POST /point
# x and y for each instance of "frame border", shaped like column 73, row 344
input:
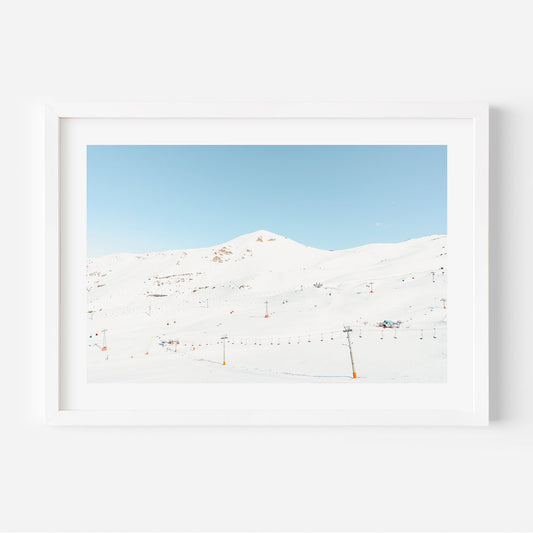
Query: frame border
column 54, row 415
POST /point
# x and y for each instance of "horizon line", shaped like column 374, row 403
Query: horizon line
column 436, row 235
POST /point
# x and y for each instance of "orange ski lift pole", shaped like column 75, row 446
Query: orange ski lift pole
column 224, row 338
column 347, row 330
column 104, row 347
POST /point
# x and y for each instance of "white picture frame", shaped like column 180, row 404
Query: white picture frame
column 340, row 412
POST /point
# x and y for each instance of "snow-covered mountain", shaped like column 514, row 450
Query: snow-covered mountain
column 197, row 296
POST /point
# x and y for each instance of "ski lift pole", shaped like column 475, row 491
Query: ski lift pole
column 347, row 330
column 104, row 348
column 224, row 338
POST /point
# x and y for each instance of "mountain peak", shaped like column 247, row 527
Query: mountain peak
column 259, row 236
column 264, row 233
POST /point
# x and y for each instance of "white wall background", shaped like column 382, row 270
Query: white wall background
column 269, row 479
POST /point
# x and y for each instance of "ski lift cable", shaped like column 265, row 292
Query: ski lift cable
column 318, row 335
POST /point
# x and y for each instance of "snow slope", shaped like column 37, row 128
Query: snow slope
column 198, row 296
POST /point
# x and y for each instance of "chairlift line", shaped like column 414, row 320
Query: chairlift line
column 298, row 339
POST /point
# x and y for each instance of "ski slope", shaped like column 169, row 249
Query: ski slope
column 147, row 303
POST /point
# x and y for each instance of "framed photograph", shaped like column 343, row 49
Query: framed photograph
column 265, row 264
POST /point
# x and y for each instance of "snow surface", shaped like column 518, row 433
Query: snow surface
column 198, row 296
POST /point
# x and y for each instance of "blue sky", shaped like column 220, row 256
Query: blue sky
column 153, row 198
